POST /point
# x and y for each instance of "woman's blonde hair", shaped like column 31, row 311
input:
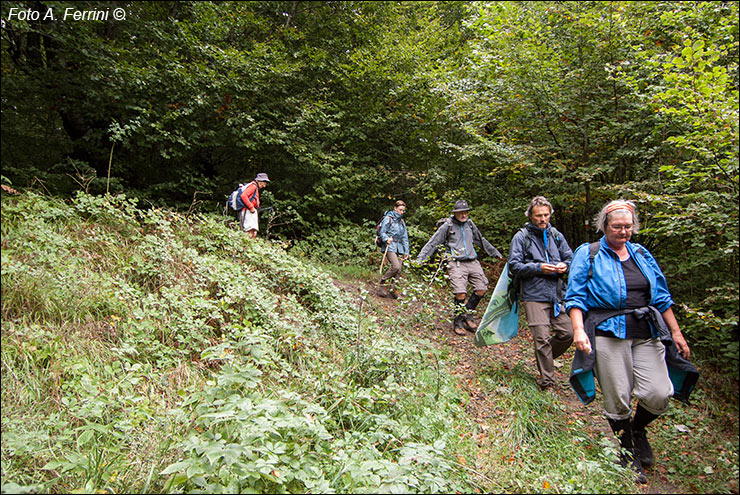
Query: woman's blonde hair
column 602, row 218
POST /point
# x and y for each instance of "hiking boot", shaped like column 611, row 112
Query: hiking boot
column 385, row 291
column 469, row 322
column 628, row 457
column 643, row 451
column 458, row 326
column 545, row 386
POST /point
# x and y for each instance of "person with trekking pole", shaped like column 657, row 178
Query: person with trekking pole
column 394, row 240
column 458, row 236
column 625, row 333
column 538, row 259
column 250, row 196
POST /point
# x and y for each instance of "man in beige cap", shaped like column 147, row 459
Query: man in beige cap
column 459, row 236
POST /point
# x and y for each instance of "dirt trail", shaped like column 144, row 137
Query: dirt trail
column 471, row 360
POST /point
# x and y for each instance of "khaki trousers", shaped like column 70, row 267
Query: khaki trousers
column 394, row 271
column 546, row 347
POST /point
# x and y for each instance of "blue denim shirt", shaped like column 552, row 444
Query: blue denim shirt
column 607, row 289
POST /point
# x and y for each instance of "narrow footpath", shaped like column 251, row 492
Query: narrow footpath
column 471, row 360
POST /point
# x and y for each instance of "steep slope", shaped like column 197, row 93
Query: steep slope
column 147, row 350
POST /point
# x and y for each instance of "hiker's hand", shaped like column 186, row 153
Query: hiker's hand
column 549, row 269
column 252, row 210
column 390, row 239
column 681, row 345
column 580, row 341
column 561, row 267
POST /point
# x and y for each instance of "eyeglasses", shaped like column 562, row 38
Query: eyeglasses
column 619, row 228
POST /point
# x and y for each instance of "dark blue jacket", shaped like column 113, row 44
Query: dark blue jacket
column 528, row 253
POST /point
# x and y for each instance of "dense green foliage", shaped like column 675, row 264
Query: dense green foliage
column 148, row 351
column 350, row 105
column 623, row 99
column 331, row 98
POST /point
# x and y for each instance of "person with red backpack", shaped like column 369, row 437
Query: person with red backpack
column 250, row 196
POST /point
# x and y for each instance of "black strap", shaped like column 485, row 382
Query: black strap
column 593, row 248
column 528, row 238
column 256, row 190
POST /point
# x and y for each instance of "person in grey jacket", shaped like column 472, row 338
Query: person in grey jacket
column 395, row 239
column 459, row 236
column 538, row 259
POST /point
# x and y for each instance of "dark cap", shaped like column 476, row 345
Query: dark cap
column 461, row 205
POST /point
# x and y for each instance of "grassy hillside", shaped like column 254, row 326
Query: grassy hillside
column 148, row 351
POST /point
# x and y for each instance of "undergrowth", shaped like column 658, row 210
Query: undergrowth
column 147, row 351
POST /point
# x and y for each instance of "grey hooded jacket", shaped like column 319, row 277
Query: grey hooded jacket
column 460, row 240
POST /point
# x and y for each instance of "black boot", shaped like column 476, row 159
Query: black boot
column 623, row 429
column 472, row 303
column 644, row 452
column 458, row 325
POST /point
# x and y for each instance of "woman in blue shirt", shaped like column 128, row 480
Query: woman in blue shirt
column 620, row 278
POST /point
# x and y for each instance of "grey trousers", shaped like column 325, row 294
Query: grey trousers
column 394, row 271
column 632, row 366
column 547, row 347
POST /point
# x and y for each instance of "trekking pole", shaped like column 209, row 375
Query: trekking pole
column 441, row 262
column 385, row 254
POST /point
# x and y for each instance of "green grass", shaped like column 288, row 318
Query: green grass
column 531, row 442
column 143, row 351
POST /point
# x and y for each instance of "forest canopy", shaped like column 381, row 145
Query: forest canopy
column 350, row 105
